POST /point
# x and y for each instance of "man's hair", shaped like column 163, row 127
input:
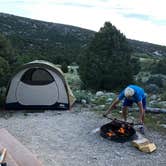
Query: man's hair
column 128, row 92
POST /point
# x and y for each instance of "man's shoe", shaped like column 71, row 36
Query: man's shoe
column 142, row 130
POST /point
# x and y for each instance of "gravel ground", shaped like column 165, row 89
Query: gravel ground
column 66, row 139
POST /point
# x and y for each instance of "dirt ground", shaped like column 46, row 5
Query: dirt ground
column 66, row 139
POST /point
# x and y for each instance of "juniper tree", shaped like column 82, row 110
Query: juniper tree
column 107, row 61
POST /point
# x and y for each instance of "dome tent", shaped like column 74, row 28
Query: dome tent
column 39, row 85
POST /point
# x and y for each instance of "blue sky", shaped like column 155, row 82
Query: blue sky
column 143, row 20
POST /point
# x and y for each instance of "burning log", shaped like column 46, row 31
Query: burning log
column 121, row 130
column 110, row 134
column 117, row 131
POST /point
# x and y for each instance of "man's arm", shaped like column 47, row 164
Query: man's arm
column 142, row 111
column 113, row 105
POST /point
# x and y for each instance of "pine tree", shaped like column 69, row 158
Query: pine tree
column 4, row 72
column 107, row 61
column 6, row 50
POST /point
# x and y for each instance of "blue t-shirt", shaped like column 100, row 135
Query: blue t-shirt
column 139, row 94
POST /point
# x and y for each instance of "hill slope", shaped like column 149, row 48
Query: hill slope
column 38, row 38
column 35, row 39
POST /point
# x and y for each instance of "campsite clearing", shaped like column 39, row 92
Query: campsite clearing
column 66, row 138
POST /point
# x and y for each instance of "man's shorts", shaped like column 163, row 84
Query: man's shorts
column 128, row 102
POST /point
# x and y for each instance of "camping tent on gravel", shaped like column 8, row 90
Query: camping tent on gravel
column 39, row 85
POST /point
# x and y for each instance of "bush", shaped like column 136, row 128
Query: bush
column 64, row 67
column 152, row 88
column 2, row 96
column 107, row 62
column 163, row 96
column 4, row 72
column 160, row 67
column 82, row 94
column 157, row 79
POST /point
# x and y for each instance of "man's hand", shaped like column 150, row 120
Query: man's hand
column 113, row 106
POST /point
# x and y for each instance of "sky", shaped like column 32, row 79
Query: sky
column 143, row 20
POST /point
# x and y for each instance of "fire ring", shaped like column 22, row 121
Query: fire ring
column 118, row 131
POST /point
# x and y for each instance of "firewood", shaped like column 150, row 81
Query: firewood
column 148, row 148
column 140, row 142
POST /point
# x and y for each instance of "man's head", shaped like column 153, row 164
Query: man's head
column 128, row 92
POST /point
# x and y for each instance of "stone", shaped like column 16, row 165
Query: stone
column 83, row 101
column 99, row 93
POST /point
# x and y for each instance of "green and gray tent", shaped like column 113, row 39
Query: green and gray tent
column 39, row 85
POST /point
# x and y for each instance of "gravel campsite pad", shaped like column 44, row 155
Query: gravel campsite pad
column 66, row 139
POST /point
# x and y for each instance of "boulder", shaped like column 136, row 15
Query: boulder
column 99, row 93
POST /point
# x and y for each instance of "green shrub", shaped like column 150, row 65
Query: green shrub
column 82, row 94
column 100, row 100
column 107, row 61
column 2, row 96
column 163, row 96
column 73, row 81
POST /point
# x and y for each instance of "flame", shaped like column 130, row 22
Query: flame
column 121, row 130
column 111, row 133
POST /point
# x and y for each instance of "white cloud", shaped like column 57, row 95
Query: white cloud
column 147, row 21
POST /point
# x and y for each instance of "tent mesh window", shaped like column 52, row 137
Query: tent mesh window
column 37, row 76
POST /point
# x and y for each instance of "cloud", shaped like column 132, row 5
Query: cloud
column 137, row 16
column 76, row 4
column 137, row 19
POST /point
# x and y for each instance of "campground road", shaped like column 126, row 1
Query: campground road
column 66, row 139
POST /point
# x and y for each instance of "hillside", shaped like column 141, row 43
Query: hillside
column 44, row 39
column 35, row 39
column 148, row 48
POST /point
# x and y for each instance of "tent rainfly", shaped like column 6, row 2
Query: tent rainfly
column 39, row 85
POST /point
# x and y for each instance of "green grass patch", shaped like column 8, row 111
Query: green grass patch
column 153, row 121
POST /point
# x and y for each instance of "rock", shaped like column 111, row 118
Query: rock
column 162, row 104
column 83, row 101
column 101, row 106
column 163, row 125
column 153, row 97
column 99, row 93
column 109, row 100
column 152, row 103
column 110, row 94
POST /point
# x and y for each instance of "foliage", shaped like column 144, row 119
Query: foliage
column 2, row 96
column 147, row 64
column 82, row 95
column 34, row 39
column 136, row 66
column 153, row 122
column 157, row 79
column 6, row 59
column 4, row 72
column 159, row 67
column 73, row 81
column 107, row 61
column 151, row 88
column 64, row 67
column 148, row 48
column 163, row 96
column 6, row 50
column 102, row 100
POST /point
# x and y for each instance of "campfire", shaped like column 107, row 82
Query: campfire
column 118, row 131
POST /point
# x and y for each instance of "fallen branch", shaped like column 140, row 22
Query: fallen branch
column 153, row 110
